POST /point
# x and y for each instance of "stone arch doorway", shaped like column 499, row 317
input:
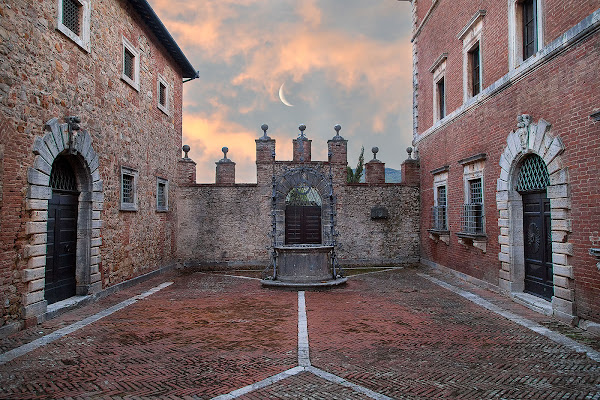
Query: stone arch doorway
column 75, row 160
column 534, row 143
column 303, row 216
column 298, row 193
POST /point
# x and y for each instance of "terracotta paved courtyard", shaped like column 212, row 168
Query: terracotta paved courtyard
column 403, row 334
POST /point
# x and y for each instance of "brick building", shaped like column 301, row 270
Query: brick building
column 83, row 210
column 506, row 122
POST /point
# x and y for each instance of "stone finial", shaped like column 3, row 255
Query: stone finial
column 337, row 136
column 375, row 150
column 225, row 150
column 186, row 150
column 264, row 128
column 409, row 150
column 302, row 128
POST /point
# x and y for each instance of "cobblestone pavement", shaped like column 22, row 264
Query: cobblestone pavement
column 402, row 334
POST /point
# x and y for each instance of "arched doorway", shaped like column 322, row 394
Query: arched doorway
column 303, row 216
column 537, row 231
column 61, row 252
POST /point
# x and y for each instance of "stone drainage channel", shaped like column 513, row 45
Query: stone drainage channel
column 304, row 364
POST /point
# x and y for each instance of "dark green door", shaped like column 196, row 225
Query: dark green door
column 61, row 247
column 537, row 245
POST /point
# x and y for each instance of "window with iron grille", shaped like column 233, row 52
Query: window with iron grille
column 528, row 8
column 73, row 21
column 440, row 220
column 128, row 59
column 533, row 175
column 472, row 214
column 62, row 176
column 162, row 95
column 162, row 191
column 474, row 58
column 131, row 65
column 71, row 16
column 128, row 189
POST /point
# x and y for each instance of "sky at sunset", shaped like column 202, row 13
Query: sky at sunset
column 341, row 61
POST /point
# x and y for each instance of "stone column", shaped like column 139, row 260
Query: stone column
column 338, row 156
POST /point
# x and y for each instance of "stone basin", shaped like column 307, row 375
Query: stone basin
column 304, row 263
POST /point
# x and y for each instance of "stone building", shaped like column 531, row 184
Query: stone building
column 228, row 224
column 506, row 122
column 85, row 202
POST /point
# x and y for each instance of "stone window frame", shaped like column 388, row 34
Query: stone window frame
column 46, row 149
column 471, row 36
column 135, row 82
column 535, row 138
column 165, row 182
column 163, row 107
column 440, row 179
column 83, row 39
column 127, row 206
column 515, row 31
column 438, row 69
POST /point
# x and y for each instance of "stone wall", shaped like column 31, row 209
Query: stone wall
column 229, row 225
column 45, row 76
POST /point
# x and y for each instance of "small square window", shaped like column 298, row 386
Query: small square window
column 163, row 94
column 129, row 179
column 74, row 21
column 131, row 65
column 162, row 194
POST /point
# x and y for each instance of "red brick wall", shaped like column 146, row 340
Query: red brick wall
column 564, row 92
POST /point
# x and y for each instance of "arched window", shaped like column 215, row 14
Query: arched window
column 533, row 176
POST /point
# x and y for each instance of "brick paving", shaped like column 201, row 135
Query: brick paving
column 393, row 333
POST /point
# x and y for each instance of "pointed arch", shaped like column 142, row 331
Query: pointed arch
column 85, row 162
column 535, row 138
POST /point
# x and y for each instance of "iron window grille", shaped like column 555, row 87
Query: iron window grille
column 533, row 175
column 129, row 179
column 472, row 216
column 439, row 216
column 162, row 95
column 128, row 66
column 71, row 15
column 62, row 176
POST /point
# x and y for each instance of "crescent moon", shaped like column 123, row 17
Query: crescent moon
column 282, row 97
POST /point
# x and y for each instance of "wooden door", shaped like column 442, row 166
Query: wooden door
column 537, row 242
column 61, row 246
column 303, row 225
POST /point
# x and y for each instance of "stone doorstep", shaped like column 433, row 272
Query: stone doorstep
column 60, row 307
column 533, row 302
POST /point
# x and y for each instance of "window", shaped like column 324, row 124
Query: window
column 441, row 98
column 439, row 87
column 162, row 90
column 129, row 179
column 131, row 65
column 440, row 218
column 162, row 194
column 475, row 70
column 74, row 21
column 472, row 216
column 529, row 28
column 472, row 55
column 525, row 30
